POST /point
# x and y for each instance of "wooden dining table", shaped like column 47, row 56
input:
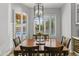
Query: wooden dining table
column 33, row 42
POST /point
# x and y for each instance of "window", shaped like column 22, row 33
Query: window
column 53, row 25
column 36, row 25
column 45, row 25
column 77, row 13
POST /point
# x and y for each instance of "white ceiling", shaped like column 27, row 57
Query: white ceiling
column 46, row 5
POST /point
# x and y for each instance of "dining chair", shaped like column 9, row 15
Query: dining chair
column 68, row 43
column 38, row 37
column 64, row 52
column 34, row 36
column 30, row 51
column 17, row 53
column 46, row 37
column 17, row 41
column 53, row 51
column 63, row 38
column 65, row 42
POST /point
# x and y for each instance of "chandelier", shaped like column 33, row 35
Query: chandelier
column 38, row 10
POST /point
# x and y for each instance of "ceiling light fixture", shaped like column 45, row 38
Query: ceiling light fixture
column 38, row 10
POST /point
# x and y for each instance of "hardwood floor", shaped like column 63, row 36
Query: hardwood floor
column 70, row 54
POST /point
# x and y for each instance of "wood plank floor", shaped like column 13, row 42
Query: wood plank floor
column 70, row 54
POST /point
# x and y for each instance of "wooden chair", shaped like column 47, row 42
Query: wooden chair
column 65, row 53
column 17, row 41
column 17, row 53
column 62, row 40
column 65, row 41
column 53, row 51
column 68, row 43
column 46, row 37
column 30, row 51
column 63, row 37
column 38, row 37
column 34, row 36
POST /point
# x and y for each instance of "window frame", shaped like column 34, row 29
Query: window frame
column 76, row 13
column 49, row 25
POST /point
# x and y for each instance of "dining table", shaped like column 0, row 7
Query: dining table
column 34, row 42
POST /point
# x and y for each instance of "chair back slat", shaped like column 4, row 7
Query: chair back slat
column 17, row 41
column 30, row 51
column 68, row 43
column 53, row 51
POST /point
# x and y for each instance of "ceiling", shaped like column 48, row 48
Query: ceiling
column 46, row 5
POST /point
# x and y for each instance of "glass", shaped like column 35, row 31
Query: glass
column 78, row 13
column 18, row 23
column 52, row 25
column 18, row 19
column 24, row 30
column 42, row 25
column 36, row 24
column 18, row 30
column 24, row 19
column 47, row 24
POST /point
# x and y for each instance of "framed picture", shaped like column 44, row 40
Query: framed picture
column 77, row 13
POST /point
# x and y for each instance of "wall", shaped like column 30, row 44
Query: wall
column 74, row 27
column 66, row 20
column 4, row 38
column 6, row 25
column 6, row 42
column 50, row 11
column 21, row 8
